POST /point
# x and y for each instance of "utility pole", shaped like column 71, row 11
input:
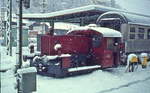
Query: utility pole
column 8, row 27
column 25, row 80
column 19, row 31
column 19, row 43
column 19, row 35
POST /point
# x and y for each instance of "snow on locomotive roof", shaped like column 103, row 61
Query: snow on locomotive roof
column 106, row 32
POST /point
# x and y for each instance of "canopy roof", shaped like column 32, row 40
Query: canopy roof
column 90, row 12
column 87, row 14
column 130, row 18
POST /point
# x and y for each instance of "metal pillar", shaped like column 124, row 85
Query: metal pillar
column 81, row 22
column 8, row 27
column 43, row 28
column 19, row 35
column 52, row 27
column 19, row 42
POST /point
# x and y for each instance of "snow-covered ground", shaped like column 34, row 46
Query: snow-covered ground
column 113, row 81
column 108, row 81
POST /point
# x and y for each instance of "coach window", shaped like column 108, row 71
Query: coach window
column 148, row 34
column 132, row 33
column 132, row 29
column 141, row 32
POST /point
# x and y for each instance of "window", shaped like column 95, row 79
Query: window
column 141, row 36
column 132, row 36
column 132, row 33
column 148, row 34
column 132, row 29
column 141, row 30
column 141, row 33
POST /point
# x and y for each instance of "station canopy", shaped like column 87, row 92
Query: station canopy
column 86, row 14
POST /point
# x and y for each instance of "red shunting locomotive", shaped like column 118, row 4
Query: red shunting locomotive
column 83, row 49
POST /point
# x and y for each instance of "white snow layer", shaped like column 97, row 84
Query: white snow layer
column 56, row 56
column 106, row 32
column 107, row 81
column 27, row 70
column 57, row 46
column 111, row 81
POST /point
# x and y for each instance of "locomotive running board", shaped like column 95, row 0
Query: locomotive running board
column 84, row 68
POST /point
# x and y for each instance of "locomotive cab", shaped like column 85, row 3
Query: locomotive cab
column 104, row 45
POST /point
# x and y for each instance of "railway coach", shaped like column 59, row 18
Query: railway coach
column 135, row 29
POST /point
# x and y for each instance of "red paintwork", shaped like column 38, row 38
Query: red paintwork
column 45, row 45
column 107, row 59
column 100, row 55
column 79, row 42
column 70, row 44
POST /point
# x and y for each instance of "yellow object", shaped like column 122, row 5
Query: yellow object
column 145, row 60
column 134, row 60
